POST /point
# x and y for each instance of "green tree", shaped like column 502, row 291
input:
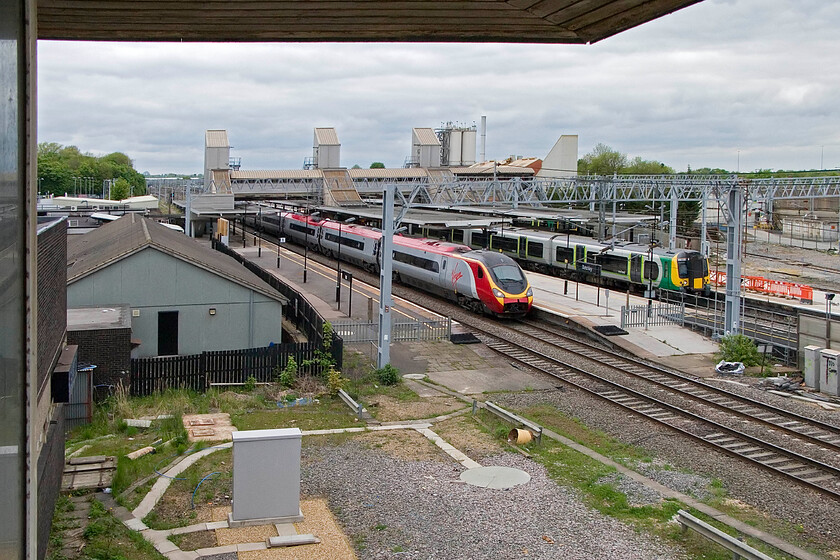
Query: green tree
column 377, row 165
column 58, row 165
column 120, row 189
column 639, row 166
column 602, row 160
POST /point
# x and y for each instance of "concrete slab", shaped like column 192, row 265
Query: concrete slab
column 421, row 389
column 208, row 427
column 475, row 381
column 135, row 524
column 497, row 478
column 285, row 529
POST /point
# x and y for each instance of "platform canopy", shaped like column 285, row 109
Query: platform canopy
column 512, row 21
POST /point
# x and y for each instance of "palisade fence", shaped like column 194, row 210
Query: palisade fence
column 657, row 314
column 298, row 311
column 199, row 372
column 416, row 330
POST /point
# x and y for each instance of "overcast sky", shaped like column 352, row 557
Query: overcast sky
column 725, row 83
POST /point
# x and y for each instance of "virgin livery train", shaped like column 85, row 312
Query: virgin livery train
column 483, row 281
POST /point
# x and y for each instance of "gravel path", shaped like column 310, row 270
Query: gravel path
column 398, row 508
column 766, row 494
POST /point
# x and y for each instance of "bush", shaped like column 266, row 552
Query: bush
column 739, row 348
column 335, row 382
column 286, row 376
column 250, row 383
column 388, row 375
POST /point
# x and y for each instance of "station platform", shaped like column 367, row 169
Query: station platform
column 581, row 304
column 672, row 345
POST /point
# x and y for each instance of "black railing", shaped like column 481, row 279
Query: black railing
column 199, row 372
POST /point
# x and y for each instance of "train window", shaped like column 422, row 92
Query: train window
column 479, row 239
column 535, row 249
column 504, row 243
column 419, row 262
column 458, row 235
column 613, row 263
column 346, row 241
column 302, row 229
column 480, row 272
column 682, row 268
column 564, row 254
column 651, row 270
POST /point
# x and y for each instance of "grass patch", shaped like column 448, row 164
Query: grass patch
column 175, row 509
column 575, row 470
column 108, row 539
column 328, row 413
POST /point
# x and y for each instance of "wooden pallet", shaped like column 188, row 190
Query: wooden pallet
column 88, row 472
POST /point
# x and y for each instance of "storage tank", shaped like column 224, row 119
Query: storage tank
column 468, row 147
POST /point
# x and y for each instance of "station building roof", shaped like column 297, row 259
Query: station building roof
column 509, row 21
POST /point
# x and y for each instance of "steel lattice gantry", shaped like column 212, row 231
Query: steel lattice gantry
column 730, row 191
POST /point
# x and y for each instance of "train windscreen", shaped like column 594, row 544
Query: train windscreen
column 692, row 266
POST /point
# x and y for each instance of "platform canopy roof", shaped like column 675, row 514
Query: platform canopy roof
column 511, row 21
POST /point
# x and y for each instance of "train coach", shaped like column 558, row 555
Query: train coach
column 620, row 264
column 485, row 282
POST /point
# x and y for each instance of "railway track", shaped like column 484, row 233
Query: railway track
column 804, row 470
column 791, row 465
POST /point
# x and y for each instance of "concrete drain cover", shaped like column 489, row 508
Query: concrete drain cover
column 495, row 477
column 416, row 376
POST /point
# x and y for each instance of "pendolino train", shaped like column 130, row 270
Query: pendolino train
column 621, row 264
column 483, row 281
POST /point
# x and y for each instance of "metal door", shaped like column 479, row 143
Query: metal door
column 636, row 268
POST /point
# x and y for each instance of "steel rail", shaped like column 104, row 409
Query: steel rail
column 763, row 454
column 615, row 361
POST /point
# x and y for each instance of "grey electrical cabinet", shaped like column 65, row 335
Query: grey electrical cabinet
column 266, row 476
column 811, row 367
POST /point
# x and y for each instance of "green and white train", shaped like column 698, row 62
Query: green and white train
column 621, row 264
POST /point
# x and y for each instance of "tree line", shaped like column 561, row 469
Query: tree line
column 65, row 169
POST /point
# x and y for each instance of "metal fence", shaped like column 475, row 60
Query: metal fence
column 765, row 324
column 656, row 314
column 418, row 330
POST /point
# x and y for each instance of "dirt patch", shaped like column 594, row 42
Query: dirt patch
column 389, row 409
column 174, row 510
column 240, row 535
column 404, row 444
column 194, row 541
column 465, row 436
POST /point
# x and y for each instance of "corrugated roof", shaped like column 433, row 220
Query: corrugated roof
column 277, row 174
column 486, row 168
column 389, row 173
column 114, row 241
column 326, row 137
column 426, row 137
column 216, row 139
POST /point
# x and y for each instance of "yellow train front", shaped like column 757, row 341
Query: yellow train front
column 500, row 284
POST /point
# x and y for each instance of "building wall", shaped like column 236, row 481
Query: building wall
column 52, row 297
column 151, row 281
column 50, row 470
column 108, row 349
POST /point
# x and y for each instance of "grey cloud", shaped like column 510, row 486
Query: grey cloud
column 691, row 88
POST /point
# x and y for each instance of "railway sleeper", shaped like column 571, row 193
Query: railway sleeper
column 819, row 479
column 778, row 460
column 759, row 456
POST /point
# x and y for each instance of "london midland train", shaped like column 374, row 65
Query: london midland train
column 620, row 264
column 483, row 281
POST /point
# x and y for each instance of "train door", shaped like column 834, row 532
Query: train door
column 523, row 244
column 580, row 254
column 636, row 268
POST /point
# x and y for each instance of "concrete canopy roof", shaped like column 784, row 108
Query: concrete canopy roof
column 511, row 21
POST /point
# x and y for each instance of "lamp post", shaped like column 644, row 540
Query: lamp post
column 306, row 242
column 828, row 298
column 338, row 262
